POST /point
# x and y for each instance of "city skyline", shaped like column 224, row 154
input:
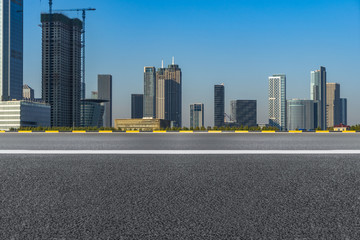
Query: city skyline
column 228, row 66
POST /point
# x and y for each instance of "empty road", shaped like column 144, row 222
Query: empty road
column 178, row 196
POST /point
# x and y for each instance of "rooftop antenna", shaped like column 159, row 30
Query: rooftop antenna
column 162, row 63
column 173, row 60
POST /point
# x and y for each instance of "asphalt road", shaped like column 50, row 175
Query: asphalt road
column 180, row 141
column 179, row 196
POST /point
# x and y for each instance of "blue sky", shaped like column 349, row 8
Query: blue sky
column 239, row 43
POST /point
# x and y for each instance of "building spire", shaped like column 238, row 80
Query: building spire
column 173, row 60
column 162, row 63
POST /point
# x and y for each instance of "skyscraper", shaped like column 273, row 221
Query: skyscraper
column 169, row 94
column 61, row 75
column 137, row 102
column 105, row 93
column 333, row 107
column 149, row 92
column 318, row 93
column 244, row 112
column 277, row 101
column 197, row 115
column 343, row 110
column 219, row 105
column 11, row 49
column 300, row 114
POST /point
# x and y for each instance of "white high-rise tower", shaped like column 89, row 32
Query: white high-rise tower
column 11, row 49
column 277, row 101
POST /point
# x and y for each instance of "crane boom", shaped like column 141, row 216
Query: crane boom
column 75, row 10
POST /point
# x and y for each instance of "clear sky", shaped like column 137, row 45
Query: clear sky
column 236, row 42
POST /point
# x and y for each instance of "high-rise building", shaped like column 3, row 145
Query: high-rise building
column 343, row 111
column 92, row 112
column 137, row 102
column 244, row 112
column 11, row 49
column 333, row 107
column 169, row 94
column 197, row 115
column 318, row 93
column 219, row 105
column 61, row 68
column 28, row 93
column 105, row 93
column 300, row 114
column 277, row 101
column 149, row 92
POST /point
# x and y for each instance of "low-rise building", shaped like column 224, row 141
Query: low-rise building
column 341, row 128
column 92, row 112
column 141, row 124
column 17, row 114
column 301, row 114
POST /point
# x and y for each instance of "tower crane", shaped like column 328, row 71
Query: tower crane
column 83, row 10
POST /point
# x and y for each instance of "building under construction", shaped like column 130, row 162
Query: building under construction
column 61, row 68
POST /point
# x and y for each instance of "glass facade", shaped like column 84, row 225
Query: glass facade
column 137, row 101
column 333, row 108
column 16, row 114
column 301, row 114
column 343, row 110
column 169, row 94
column 318, row 93
column 197, row 115
column 244, row 112
column 92, row 112
column 149, row 92
column 11, row 49
column 219, row 105
column 105, row 93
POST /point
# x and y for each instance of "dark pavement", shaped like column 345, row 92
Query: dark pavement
column 179, row 197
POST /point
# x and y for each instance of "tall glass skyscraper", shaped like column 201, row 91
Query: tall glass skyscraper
column 318, row 93
column 11, row 49
column 149, row 92
column 169, row 94
column 105, row 93
column 197, row 115
column 277, row 101
column 219, row 105
column 343, row 104
column 333, row 105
